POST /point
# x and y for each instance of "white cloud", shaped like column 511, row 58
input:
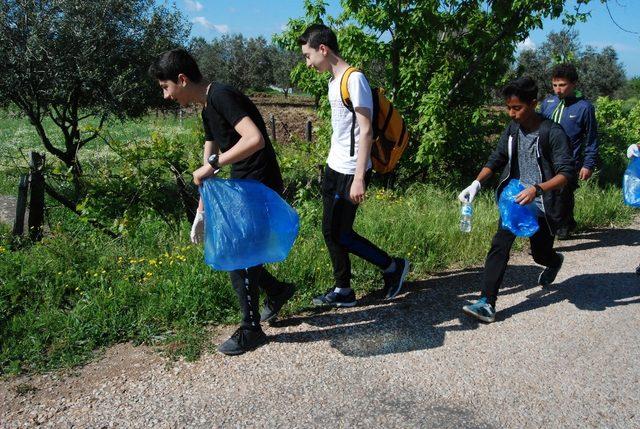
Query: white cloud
column 526, row 45
column 193, row 5
column 220, row 28
column 620, row 47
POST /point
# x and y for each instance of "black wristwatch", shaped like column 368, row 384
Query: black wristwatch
column 539, row 190
column 213, row 161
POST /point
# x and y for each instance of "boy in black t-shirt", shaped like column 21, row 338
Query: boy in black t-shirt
column 236, row 135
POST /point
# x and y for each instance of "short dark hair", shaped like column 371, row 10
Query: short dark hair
column 565, row 71
column 168, row 65
column 319, row 34
column 524, row 88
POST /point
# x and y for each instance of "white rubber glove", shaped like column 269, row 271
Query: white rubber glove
column 633, row 151
column 197, row 229
column 470, row 192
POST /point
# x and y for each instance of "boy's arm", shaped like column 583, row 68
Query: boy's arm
column 358, row 187
column 250, row 142
column 500, row 156
column 591, row 144
column 210, row 147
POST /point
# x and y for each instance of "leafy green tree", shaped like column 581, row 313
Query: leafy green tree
column 79, row 63
column 601, row 74
column 442, row 59
column 283, row 62
column 236, row 60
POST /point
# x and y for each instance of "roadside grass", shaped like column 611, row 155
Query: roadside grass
column 78, row 290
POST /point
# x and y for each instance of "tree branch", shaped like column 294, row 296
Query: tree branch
column 71, row 206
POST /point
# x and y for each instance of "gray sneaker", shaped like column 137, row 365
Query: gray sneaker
column 481, row 310
column 334, row 299
column 393, row 281
column 548, row 275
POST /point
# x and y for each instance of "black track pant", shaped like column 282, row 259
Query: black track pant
column 338, row 216
column 247, row 284
column 498, row 257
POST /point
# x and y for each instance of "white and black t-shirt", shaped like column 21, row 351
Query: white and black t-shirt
column 360, row 92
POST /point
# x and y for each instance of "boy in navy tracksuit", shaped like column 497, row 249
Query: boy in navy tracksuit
column 577, row 117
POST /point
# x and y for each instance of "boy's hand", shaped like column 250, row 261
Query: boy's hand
column 202, row 173
column 197, row 229
column 357, row 191
column 585, row 173
column 470, row 192
column 526, row 196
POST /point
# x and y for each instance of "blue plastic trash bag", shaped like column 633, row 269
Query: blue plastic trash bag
column 246, row 224
column 631, row 183
column 521, row 220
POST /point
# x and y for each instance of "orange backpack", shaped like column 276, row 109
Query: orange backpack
column 390, row 136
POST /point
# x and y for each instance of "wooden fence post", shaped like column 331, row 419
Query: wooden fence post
column 36, row 202
column 309, row 130
column 272, row 119
column 21, row 205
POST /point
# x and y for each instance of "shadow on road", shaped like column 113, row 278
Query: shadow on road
column 590, row 292
column 417, row 320
column 420, row 318
column 601, row 238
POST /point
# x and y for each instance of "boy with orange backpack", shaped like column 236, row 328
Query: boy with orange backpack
column 348, row 168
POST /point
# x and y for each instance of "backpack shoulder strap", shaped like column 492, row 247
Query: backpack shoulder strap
column 344, row 87
column 346, row 100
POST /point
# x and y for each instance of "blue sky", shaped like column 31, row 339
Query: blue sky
column 212, row 18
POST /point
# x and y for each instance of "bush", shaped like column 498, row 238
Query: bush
column 617, row 129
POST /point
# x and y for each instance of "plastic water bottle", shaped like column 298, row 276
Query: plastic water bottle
column 466, row 212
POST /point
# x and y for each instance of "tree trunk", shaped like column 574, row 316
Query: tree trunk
column 36, row 202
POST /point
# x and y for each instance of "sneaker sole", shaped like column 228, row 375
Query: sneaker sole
column 241, row 352
column 402, row 277
column 337, row 304
column 478, row 316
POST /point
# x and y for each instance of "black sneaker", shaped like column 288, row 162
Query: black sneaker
column 273, row 304
column 638, row 270
column 393, row 281
column 335, row 299
column 548, row 275
column 563, row 233
column 243, row 340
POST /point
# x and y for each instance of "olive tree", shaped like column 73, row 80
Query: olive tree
column 79, row 63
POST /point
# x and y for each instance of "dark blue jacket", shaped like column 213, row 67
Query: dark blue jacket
column 579, row 122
